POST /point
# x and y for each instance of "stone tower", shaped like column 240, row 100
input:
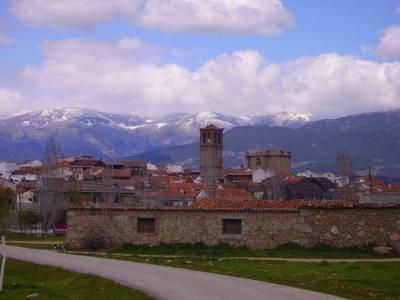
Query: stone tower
column 211, row 148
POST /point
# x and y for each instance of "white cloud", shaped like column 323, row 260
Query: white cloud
column 268, row 17
column 10, row 102
column 109, row 76
column 389, row 44
column 66, row 13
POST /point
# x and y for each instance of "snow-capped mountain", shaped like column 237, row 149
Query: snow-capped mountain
column 80, row 130
column 372, row 140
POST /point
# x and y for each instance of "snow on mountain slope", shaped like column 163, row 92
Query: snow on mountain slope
column 113, row 135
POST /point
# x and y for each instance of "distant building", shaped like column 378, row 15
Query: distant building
column 211, row 156
column 339, row 180
column 276, row 161
column 211, row 149
column 31, row 164
column 77, row 167
column 138, row 168
column 7, row 168
column 380, row 198
column 317, row 188
column 175, row 169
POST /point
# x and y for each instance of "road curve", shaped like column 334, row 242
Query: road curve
column 166, row 282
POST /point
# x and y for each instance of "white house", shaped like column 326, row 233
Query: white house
column 6, row 169
column 339, row 180
column 260, row 175
column 31, row 164
column 24, row 177
column 175, row 169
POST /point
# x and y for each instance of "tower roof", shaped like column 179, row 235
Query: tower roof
column 211, row 126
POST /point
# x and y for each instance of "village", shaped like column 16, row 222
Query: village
column 66, row 191
column 264, row 175
column 199, row 150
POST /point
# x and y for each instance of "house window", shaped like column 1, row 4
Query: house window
column 231, row 226
column 146, row 225
column 258, row 162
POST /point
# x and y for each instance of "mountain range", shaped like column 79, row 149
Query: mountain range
column 84, row 131
column 372, row 139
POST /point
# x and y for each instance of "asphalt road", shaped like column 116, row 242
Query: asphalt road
column 166, row 282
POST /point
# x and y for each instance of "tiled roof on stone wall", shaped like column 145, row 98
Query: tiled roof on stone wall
column 266, row 205
column 219, row 205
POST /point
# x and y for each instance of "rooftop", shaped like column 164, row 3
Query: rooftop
column 286, row 206
column 270, row 153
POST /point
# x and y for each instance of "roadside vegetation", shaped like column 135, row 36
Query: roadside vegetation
column 354, row 280
column 18, row 236
column 290, row 250
column 39, row 282
column 350, row 280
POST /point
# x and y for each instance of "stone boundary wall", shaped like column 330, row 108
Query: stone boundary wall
column 337, row 227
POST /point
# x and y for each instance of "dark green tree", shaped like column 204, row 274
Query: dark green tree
column 27, row 218
column 7, row 202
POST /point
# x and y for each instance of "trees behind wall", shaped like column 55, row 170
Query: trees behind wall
column 52, row 194
column 27, row 218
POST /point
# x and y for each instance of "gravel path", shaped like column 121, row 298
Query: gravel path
column 166, row 282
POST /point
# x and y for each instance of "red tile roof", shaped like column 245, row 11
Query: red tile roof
column 286, row 206
column 268, row 205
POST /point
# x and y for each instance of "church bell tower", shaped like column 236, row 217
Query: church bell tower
column 211, row 149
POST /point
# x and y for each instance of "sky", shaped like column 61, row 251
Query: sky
column 239, row 57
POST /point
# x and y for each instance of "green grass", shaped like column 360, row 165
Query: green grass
column 222, row 250
column 23, row 279
column 16, row 236
column 33, row 245
column 350, row 280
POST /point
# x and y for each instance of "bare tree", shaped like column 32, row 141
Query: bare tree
column 344, row 163
column 52, row 192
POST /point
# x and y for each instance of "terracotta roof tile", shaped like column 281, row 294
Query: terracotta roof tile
column 268, row 205
column 287, row 206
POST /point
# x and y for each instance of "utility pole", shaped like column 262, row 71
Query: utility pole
column 370, row 180
column 3, row 262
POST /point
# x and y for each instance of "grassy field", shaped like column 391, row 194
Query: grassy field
column 349, row 280
column 287, row 251
column 23, row 279
column 16, row 236
column 33, row 245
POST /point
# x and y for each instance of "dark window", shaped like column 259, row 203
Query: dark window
column 204, row 138
column 231, row 226
column 146, row 225
column 258, row 162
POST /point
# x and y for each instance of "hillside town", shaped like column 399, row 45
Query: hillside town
column 265, row 175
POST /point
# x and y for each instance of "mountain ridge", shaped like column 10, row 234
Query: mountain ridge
column 108, row 135
column 372, row 139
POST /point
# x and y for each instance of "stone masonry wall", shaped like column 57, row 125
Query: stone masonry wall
column 338, row 227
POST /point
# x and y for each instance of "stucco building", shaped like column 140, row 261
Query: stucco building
column 276, row 161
